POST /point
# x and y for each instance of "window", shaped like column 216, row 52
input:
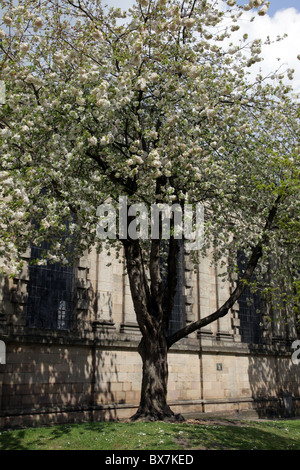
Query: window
column 250, row 318
column 250, row 312
column 50, row 294
column 177, row 316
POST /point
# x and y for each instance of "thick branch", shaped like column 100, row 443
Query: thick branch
column 129, row 185
column 222, row 311
column 155, row 277
column 256, row 254
column 139, row 288
column 172, row 279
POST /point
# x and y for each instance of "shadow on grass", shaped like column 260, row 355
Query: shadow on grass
column 12, row 441
column 216, row 435
column 51, row 436
column 246, row 437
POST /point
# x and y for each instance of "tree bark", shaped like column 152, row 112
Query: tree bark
column 153, row 403
column 152, row 307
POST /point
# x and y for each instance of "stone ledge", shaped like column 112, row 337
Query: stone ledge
column 69, row 408
column 14, row 419
column 121, row 340
column 247, row 349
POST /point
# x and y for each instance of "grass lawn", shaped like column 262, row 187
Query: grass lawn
column 191, row 435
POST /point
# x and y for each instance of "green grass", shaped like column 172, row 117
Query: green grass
column 192, row 435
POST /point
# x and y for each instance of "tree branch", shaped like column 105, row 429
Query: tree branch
column 172, row 279
column 256, row 254
column 129, row 185
column 155, row 277
column 139, row 288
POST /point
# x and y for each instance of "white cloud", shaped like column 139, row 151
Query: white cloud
column 284, row 21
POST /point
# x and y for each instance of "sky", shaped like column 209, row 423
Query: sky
column 283, row 18
column 276, row 5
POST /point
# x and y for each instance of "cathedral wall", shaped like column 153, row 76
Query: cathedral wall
column 48, row 379
column 92, row 370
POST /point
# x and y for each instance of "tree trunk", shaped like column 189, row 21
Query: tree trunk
column 153, row 307
column 153, row 404
column 153, row 322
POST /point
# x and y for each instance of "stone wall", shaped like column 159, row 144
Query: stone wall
column 60, row 379
column 93, row 371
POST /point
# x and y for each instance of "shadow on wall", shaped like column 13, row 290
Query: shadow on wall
column 104, row 305
column 63, row 365
column 58, row 383
column 275, row 384
column 53, row 368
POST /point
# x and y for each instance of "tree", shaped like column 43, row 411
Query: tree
column 157, row 105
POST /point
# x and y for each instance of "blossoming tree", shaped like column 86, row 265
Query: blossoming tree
column 157, row 104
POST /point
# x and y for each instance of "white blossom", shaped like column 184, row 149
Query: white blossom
column 141, row 84
column 209, row 112
column 7, row 20
column 137, row 159
column 5, row 132
column 93, row 141
column 189, row 22
column 59, row 57
column 24, row 47
column 97, row 34
column 194, row 71
column 263, row 10
column 103, row 103
column 204, row 123
column 38, row 23
column 153, row 77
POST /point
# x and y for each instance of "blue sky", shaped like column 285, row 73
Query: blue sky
column 276, row 5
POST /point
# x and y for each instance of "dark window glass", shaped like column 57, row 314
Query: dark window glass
column 50, row 294
column 250, row 312
column 177, row 316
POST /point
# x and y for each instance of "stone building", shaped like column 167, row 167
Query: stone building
column 71, row 339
